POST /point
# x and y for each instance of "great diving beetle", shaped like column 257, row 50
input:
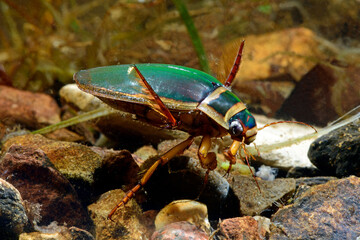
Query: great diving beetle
column 175, row 97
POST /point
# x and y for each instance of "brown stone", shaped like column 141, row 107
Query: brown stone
column 39, row 183
column 90, row 169
column 252, row 201
column 33, row 110
column 326, row 211
column 271, row 64
column 324, row 94
column 126, row 222
column 242, row 228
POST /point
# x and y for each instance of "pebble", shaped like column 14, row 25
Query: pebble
column 326, row 211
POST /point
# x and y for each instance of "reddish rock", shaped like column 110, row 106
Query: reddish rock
column 39, row 183
column 242, row 228
column 33, row 110
column 326, row 211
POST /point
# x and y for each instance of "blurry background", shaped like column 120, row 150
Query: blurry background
column 301, row 58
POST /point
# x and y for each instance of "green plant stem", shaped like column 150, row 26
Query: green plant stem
column 100, row 112
column 195, row 38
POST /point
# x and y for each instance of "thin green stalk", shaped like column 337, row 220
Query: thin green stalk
column 100, row 112
column 195, row 38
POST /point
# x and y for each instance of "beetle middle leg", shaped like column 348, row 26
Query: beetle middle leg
column 161, row 161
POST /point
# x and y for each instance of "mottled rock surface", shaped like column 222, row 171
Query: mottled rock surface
column 326, row 211
column 242, row 228
column 252, row 201
column 13, row 218
column 91, row 170
column 126, row 222
column 338, row 152
column 41, row 185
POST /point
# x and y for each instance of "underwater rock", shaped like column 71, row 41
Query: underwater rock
column 298, row 172
column 33, row 110
column 126, row 222
column 337, row 153
column 13, row 218
column 253, row 202
column 180, row 231
column 244, row 228
column 319, row 97
column 91, row 170
column 305, row 183
column 49, row 195
column 326, row 211
column 272, row 65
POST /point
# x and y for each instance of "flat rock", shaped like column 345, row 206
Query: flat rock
column 13, row 218
column 33, row 110
column 253, row 202
column 326, row 211
column 50, row 195
column 337, row 153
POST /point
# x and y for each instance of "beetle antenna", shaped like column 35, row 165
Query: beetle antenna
column 273, row 123
column 258, row 152
column 235, row 67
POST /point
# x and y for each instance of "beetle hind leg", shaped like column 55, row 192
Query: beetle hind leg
column 161, row 161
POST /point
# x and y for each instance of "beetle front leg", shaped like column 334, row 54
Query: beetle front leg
column 162, row 160
column 231, row 152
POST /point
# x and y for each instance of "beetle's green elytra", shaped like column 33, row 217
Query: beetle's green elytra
column 180, row 88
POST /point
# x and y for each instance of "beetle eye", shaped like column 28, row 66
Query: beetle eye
column 236, row 128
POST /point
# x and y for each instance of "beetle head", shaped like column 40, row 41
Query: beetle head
column 242, row 127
